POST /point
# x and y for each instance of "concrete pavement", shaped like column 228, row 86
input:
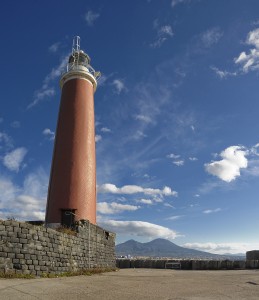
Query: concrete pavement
column 138, row 284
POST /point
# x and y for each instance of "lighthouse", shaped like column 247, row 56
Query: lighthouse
column 72, row 184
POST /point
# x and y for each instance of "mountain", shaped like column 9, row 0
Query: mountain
column 165, row 248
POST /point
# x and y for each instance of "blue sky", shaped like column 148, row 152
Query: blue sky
column 176, row 110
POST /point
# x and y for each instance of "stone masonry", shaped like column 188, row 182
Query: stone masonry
column 30, row 249
column 188, row 264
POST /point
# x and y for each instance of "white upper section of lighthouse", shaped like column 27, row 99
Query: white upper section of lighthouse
column 79, row 66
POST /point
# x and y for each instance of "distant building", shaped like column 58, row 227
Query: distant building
column 252, row 255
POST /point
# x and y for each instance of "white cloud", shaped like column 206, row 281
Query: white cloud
column 211, row 36
column 176, row 159
column 193, row 158
column 105, row 79
column 253, row 167
column 41, row 94
column 250, row 61
column 173, row 218
column 7, row 191
column 25, row 202
column 163, row 33
column 1, row 120
column 222, row 248
column 36, row 184
column 146, row 201
column 134, row 189
column 211, row 185
column 141, row 175
column 253, row 38
column 168, row 205
column 167, row 191
column 91, row 17
column 14, row 159
column 211, row 211
column 143, row 118
column 54, row 47
column 98, row 138
column 166, row 30
column 46, row 90
column 158, row 43
column 223, row 74
column 174, row 156
column 6, row 141
column 158, row 198
column 228, row 169
column 105, row 129
column 178, row 162
column 119, row 85
column 49, row 134
column 139, row 228
column 254, row 150
column 139, row 135
column 253, row 164
column 114, row 208
column 57, row 71
column 150, row 102
column 121, row 199
column 102, row 80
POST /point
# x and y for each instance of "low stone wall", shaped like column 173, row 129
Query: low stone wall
column 188, row 264
column 252, row 264
column 30, row 249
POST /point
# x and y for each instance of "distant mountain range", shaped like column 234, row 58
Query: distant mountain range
column 165, row 248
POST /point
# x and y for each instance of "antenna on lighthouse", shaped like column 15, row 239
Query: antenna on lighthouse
column 76, row 44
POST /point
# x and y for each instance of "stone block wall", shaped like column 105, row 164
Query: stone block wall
column 187, row 264
column 30, row 249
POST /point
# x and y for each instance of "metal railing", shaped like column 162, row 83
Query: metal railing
column 76, row 66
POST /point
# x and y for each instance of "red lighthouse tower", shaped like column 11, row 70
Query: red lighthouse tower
column 72, row 185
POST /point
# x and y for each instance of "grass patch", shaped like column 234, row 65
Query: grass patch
column 86, row 272
column 11, row 275
column 66, row 230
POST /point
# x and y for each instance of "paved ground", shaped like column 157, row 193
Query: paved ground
column 138, row 284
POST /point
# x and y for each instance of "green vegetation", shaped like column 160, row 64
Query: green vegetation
column 66, row 230
column 86, row 272
column 12, row 275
